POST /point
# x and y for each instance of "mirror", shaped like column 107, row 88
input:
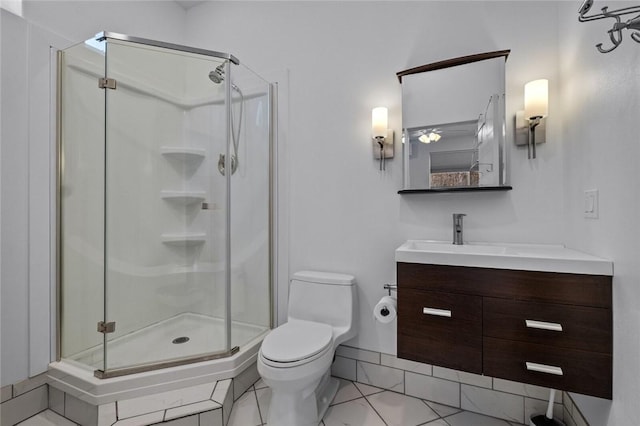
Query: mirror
column 453, row 124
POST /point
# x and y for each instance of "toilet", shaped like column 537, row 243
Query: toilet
column 295, row 359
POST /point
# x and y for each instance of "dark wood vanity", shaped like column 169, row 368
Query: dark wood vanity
column 544, row 328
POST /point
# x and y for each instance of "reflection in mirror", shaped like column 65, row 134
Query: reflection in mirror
column 453, row 124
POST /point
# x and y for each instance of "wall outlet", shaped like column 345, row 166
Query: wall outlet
column 591, row 203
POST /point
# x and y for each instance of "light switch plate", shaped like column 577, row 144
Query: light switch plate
column 591, row 204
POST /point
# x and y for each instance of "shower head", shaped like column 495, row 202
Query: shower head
column 217, row 75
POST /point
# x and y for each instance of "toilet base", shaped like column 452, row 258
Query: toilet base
column 325, row 393
column 298, row 409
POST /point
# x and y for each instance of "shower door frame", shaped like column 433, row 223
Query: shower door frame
column 230, row 351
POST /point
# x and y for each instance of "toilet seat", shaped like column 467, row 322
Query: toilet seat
column 295, row 343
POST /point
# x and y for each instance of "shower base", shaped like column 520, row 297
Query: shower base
column 193, row 334
column 153, row 344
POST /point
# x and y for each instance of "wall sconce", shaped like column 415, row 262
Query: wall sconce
column 382, row 136
column 530, row 126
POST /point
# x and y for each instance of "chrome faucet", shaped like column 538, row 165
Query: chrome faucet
column 457, row 228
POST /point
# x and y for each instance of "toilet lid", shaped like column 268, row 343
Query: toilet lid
column 296, row 340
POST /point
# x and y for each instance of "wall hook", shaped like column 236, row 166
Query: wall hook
column 615, row 33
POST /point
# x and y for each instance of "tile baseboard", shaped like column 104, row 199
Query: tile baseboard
column 20, row 407
column 203, row 404
column 572, row 415
column 477, row 393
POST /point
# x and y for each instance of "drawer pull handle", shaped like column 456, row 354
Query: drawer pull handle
column 543, row 325
column 541, row 368
column 437, row 312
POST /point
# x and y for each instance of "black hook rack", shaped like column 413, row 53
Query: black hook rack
column 615, row 33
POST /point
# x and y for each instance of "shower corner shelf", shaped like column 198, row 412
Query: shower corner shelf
column 184, row 239
column 183, row 153
column 183, row 198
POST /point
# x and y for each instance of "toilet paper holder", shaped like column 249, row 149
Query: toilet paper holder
column 390, row 287
column 385, row 309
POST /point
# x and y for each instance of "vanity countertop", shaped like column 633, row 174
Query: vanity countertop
column 527, row 257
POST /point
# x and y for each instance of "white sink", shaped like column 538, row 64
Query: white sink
column 529, row 257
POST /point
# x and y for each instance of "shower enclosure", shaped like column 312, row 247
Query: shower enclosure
column 164, row 205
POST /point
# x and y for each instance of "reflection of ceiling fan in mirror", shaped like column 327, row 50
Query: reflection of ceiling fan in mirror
column 430, row 135
column 435, row 133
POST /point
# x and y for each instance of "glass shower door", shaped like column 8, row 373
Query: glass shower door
column 251, row 239
column 165, row 228
column 80, row 198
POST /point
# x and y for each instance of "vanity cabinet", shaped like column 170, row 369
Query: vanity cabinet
column 544, row 328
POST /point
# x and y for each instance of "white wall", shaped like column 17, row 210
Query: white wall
column 14, row 249
column 27, row 153
column 600, row 101
column 346, row 216
column 342, row 57
column 79, row 20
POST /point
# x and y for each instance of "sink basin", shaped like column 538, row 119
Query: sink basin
column 442, row 247
column 530, row 257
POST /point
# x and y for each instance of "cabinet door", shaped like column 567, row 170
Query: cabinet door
column 440, row 328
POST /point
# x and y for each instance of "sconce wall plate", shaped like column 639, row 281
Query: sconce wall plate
column 388, row 146
column 522, row 130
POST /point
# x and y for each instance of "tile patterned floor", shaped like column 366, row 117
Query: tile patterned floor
column 355, row 404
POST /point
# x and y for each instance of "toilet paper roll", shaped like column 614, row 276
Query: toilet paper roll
column 386, row 310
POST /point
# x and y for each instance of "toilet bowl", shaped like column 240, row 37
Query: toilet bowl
column 295, row 359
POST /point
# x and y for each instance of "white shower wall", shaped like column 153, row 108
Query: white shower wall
column 249, row 206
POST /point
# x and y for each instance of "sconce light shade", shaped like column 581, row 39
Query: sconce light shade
column 379, row 122
column 536, row 98
column 536, row 108
column 382, row 136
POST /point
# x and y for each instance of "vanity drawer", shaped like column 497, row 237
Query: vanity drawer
column 582, row 372
column 440, row 328
column 563, row 326
column 534, row 286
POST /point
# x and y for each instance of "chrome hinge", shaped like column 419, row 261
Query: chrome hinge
column 208, row 206
column 107, row 83
column 106, row 327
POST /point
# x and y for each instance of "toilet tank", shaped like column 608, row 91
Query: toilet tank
column 324, row 297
